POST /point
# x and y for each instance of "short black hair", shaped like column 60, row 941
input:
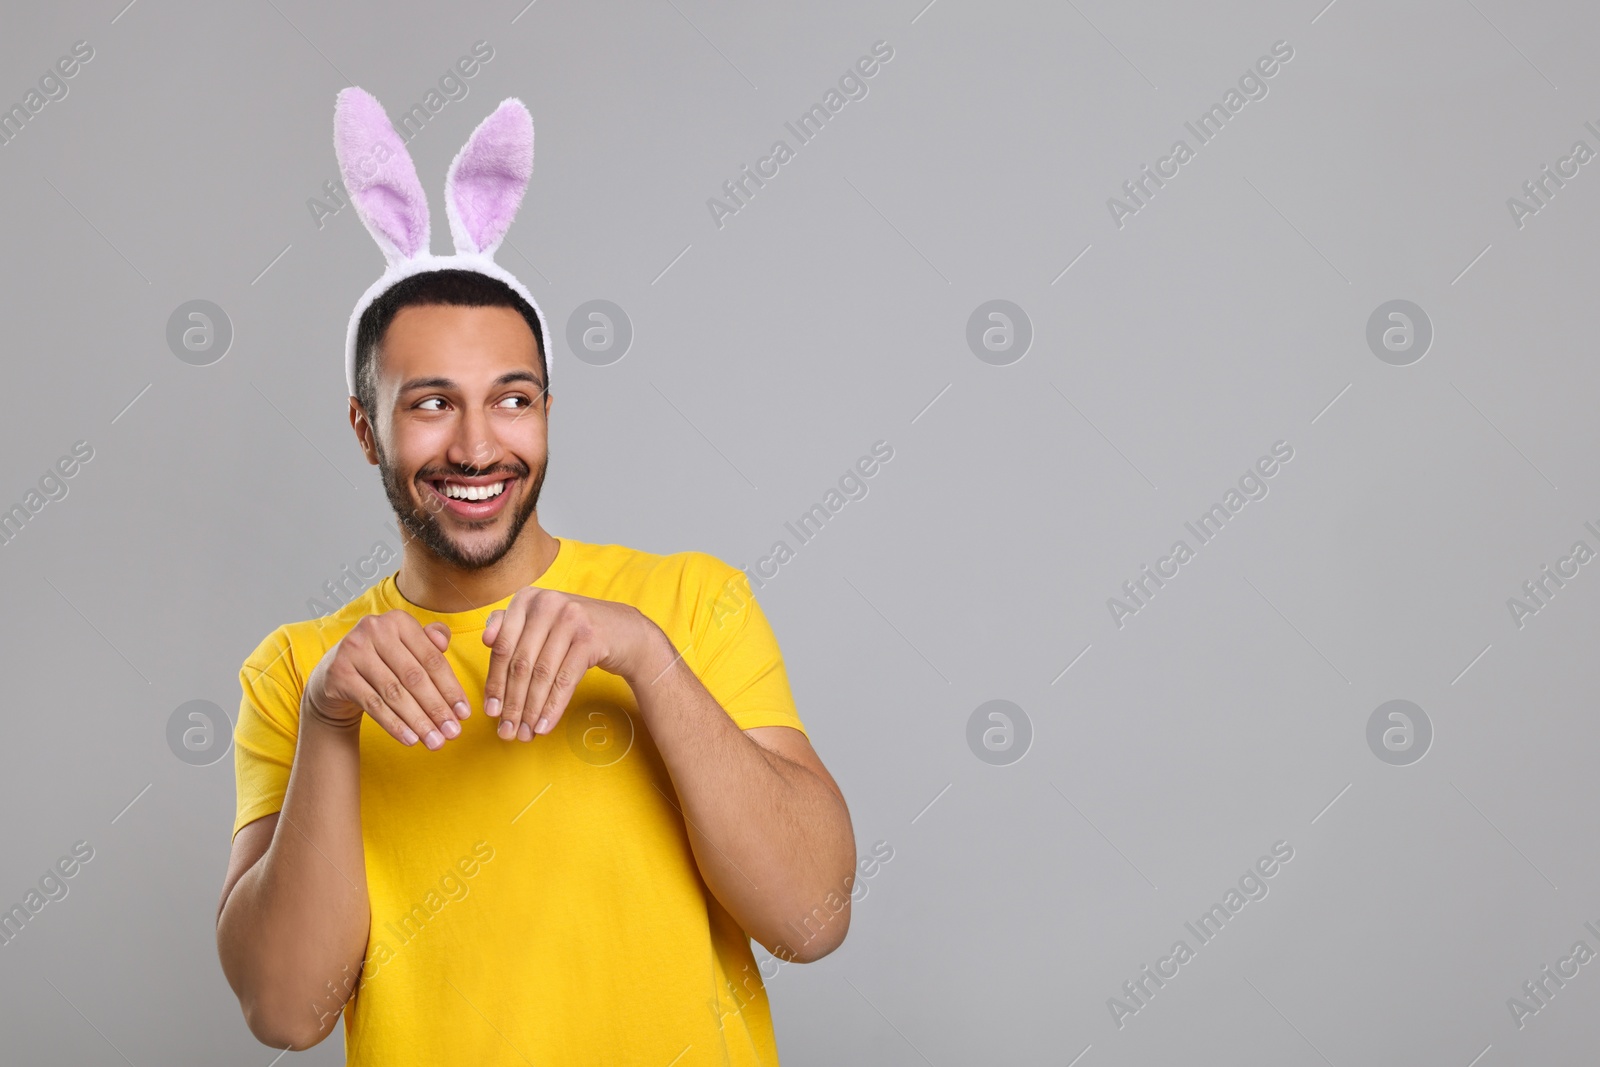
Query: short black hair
column 460, row 288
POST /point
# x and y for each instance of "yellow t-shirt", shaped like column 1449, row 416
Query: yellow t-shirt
column 538, row 902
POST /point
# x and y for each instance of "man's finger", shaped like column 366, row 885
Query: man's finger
column 432, row 660
column 439, row 634
column 506, row 629
column 521, row 672
column 579, row 658
column 358, row 691
column 547, row 672
column 418, row 690
column 390, row 693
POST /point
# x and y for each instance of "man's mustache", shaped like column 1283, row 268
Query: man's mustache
column 428, row 475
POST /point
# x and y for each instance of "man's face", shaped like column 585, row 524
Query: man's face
column 461, row 438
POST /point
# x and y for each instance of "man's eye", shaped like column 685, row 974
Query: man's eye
column 519, row 398
column 430, row 400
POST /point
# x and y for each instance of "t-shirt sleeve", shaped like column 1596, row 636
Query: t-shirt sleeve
column 735, row 653
column 269, row 722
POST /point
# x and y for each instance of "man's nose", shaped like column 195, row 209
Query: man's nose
column 474, row 444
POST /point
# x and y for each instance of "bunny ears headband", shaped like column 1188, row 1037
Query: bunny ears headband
column 482, row 191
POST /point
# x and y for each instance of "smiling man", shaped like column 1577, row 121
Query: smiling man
column 527, row 799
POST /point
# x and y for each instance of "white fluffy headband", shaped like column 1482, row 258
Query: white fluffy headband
column 482, row 191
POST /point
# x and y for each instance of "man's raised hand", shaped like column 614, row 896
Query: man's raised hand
column 392, row 668
column 544, row 641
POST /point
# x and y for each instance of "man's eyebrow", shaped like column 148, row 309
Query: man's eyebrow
column 427, row 383
column 447, row 383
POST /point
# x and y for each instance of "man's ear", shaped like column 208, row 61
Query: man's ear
column 364, row 431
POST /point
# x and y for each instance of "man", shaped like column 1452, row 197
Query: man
column 527, row 799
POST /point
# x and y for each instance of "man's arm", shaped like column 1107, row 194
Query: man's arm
column 294, row 917
column 769, row 828
column 768, row 825
column 294, row 911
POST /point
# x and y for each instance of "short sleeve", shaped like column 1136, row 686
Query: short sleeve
column 736, row 654
column 269, row 723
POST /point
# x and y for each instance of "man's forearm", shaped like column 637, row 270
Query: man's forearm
column 771, row 838
column 292, row 933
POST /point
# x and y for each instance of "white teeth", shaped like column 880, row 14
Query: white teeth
column 474, row 492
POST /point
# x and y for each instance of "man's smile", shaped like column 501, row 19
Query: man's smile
column 477, row 498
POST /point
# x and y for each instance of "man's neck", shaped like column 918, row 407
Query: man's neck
column 429, row 582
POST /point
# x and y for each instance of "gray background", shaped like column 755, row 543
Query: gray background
column 831, row 312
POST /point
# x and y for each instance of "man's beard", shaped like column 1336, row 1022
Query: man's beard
column 425, row 526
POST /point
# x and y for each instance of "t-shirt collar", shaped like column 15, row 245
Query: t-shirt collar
column 389, row 596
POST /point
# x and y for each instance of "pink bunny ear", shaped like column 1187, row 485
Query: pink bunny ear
column 378, row 172
column 484, row 186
